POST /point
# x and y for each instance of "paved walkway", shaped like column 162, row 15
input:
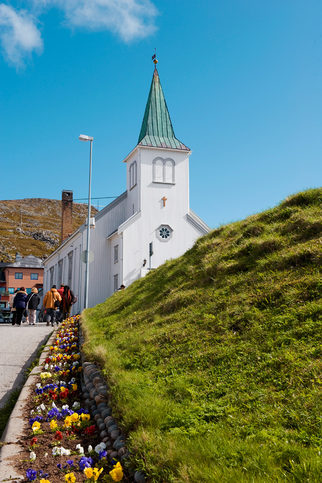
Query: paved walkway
column 18, row 347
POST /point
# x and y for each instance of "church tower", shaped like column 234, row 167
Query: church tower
column 158, row 187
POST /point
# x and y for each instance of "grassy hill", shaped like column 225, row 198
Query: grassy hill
column 31, row 226
column 213, row 358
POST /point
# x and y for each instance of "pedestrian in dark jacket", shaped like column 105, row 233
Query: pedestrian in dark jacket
column 68, row 299
column 19, row 304
column 32, row 303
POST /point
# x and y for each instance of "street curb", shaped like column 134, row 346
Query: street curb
column 17, row 422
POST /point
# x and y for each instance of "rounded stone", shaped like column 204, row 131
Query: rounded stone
column 115, row 434
column 103, row 434
column 93, row 374
column 97, row 381
column 109, row 420
column 95, row 412
column 106, row 412
column 122, row 451
column 139, row 477
column 101, row 426
column 93, row 393
column 87, row 402
column 99, row 398
column 101, row 406
column 85, row 395
column 118, row 444
column 113, row 454
column 112, row 428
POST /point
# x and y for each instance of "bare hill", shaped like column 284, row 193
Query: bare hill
column 31, row 226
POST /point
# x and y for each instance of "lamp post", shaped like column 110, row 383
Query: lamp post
column 83, row 137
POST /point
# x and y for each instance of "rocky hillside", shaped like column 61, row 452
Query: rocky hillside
column 31, row 226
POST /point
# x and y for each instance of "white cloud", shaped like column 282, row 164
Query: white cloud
column 19, row 35
column 130, row 19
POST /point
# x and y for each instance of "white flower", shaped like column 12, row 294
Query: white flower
column 65, row 406
column 100, row 447
column 32, row 412
column 53, row 405
column 38, row 385
column 32, row 456
column 90, row 448
column 76, row 405
column 45, row 455
column 46, row 367
column 80, row 449
column 73, row 380
column 60, row 451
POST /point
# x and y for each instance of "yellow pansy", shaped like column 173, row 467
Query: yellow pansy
column 70, row 478
column 74, row 386
column 117, row 472
column 97, row 472
column 68, row 421
column 36, row 426
column 44, row 481
column 74, row 417
column 53, row 424
column 88, row 472
column 85, row 417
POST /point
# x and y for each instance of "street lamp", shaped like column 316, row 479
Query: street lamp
column 83, row 137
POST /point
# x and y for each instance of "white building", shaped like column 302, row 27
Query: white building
column 149, row 223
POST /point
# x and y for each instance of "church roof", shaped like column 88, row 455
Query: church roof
column 156, row 129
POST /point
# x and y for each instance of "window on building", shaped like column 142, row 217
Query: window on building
column 2, row 290
column 168, row 170
column 163, row 171
column 116, row 282
column 164, row 232
column 70, row 268
column 116, row 253
column 28, row 290
column 133, row 174
column 158, row 170
column 11, row 290
column 18, row 275
column 51, row 276
column 60, row 273
column 34, row 276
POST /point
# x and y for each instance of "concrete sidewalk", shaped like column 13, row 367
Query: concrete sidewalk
column 18, row 347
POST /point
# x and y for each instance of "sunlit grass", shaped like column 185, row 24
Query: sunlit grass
column 213, row 359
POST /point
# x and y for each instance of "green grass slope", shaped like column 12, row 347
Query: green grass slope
column 213, row 358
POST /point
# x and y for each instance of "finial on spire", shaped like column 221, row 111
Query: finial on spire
column 154, row 57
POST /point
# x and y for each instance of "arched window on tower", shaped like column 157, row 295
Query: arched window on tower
column 163, row 170
column 133, row 174
column 168, row 171
column 158, row 170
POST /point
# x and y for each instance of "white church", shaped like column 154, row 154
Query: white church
column 149, row 223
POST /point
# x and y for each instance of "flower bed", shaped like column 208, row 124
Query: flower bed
column 63, row 443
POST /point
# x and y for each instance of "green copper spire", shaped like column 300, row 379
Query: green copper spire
column 157, row 130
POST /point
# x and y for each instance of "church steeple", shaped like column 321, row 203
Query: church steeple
column 156, row 129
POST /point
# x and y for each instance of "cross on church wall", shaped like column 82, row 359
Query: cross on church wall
column 164, row 199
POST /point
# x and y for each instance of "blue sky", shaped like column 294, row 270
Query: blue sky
column 242, row 80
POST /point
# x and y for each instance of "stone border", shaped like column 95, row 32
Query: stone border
column 17, row 422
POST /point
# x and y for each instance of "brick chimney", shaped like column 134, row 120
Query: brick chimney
column 66, row 214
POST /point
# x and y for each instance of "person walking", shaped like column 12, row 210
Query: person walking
column 59, row 314
column 19, row 303
column 12, row 308
column 32, row 303
column 51, row 301
column 67, row 301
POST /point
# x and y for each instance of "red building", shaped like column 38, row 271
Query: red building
column 25, row 272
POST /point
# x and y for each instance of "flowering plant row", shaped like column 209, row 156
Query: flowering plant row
column 63, row 441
